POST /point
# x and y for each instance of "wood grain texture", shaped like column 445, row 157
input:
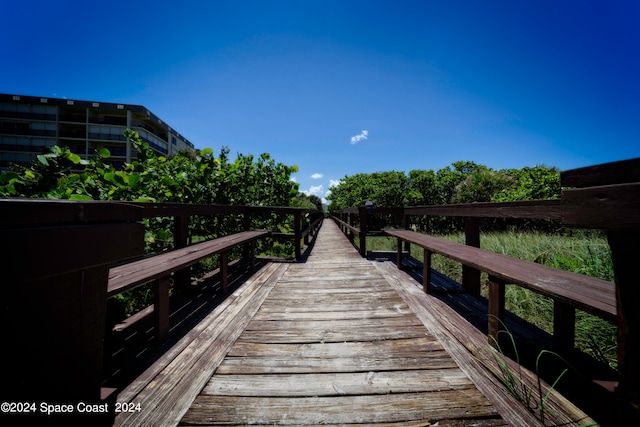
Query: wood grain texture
column 359, row 345
column 604, row 174
column 167, row 393
column 592, row 295
column 334, row 343
column 467, row 346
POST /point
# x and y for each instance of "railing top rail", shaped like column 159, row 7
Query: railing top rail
column 532, row 209
column 620, row 172
column 22, row 212
column 374, row 209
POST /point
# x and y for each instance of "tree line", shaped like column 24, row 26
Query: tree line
column 461, row 182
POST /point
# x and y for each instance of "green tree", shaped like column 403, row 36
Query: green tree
column 481, row 186
column 381, row 188
column 531, row 183
column 422, row 188
column 447, row 179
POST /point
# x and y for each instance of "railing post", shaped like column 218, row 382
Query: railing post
column 248, row 250
column 296, row 232
column 496, row 308
column 407, row 226
column 182, row 278
column 362, row 212
column 161, row 308
column 426, row 271
column 625, row 253
column 352, row 222
column 471, row 276
column 54, row 307
column 307, row 223
column 224, row 271
column 399, row 253
column 564, row 325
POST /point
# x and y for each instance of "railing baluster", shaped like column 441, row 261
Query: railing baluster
column 496, row 308
column 161, row 308
column 426, row 271
column 471, row 276
column 564, row 324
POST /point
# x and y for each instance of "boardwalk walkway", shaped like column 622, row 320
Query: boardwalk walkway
column 328, row 341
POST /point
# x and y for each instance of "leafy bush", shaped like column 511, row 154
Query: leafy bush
column 187, row 177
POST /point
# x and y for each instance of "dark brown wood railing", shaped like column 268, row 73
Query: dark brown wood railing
column 55, row 267
column 604, row 197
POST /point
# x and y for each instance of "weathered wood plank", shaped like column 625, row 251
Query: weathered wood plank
column 541, row 209
column 325, row 287
column 381, row 348
column 464, row 403
column 462, row 340
column 335, row 315
column 302, row 296
column 604, row 174
column 335, row 330
column 592, row 295
column 168, row 395
column 609, row 207
column 338, row 384
column 302, row 331
column 135, row 388
column 368, row 304
column 130, row 275
column 359, row 363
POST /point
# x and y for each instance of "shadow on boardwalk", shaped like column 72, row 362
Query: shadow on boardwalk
column 337, row 339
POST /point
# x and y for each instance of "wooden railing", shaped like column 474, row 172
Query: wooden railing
column 604, row 197
column 55, row 267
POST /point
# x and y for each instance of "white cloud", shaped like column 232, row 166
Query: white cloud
column 363, row 135
column 293, row 178
column 315, row 190
column 334, row 182
column 317, row 176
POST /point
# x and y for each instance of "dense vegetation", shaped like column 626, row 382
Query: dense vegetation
column 188, row 177
column 462, row 182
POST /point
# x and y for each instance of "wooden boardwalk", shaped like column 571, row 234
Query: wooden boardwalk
column 335, row 340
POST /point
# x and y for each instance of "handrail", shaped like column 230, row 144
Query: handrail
column 530, row 209
column 605, row 197
column 550, row 209
column 17, row 211
column 55, row 276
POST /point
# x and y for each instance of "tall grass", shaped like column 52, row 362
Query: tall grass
column 578, row 251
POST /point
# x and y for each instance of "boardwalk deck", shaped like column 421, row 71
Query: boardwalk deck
column 329, row 341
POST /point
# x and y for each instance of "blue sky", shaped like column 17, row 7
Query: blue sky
column 419, row 84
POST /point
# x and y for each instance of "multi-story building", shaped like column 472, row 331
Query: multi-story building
column 29, row 125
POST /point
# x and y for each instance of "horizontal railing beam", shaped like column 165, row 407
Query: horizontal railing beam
column 534, row 209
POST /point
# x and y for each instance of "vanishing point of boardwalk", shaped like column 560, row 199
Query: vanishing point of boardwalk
column 328, row 341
